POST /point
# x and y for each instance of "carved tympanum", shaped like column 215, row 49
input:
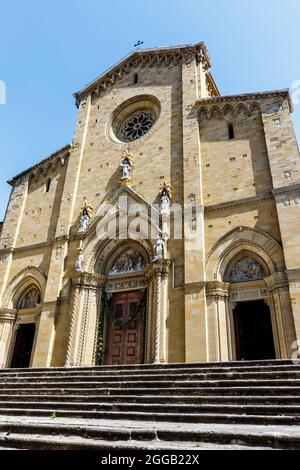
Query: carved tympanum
column 128, row 262
column 246, row 269
column 30, row 299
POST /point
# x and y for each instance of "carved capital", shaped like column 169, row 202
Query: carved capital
column 218, row 290
column 8, row 315
column 158, row 268
column 276, row 282
column 88, row 280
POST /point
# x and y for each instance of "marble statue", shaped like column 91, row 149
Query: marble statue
column 159, row 249
column 78, row 262
column 126, row 166
column 164, row 202
column 84, row 220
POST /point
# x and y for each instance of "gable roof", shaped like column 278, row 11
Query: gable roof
column 153, row 55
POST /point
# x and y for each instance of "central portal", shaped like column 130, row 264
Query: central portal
column 124, row 338
column 253, row 331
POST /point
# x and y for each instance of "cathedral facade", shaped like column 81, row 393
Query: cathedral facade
column 167, row 232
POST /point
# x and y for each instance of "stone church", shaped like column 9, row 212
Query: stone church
column 168, row 231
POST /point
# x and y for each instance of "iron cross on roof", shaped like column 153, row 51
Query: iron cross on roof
column 139, row 43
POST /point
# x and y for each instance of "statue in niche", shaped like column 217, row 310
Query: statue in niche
column 85, row 216
column 166, row 196
column 159, row 249
column 247, row 269
column 79, row 261
column 127, row 165
column 128, row 262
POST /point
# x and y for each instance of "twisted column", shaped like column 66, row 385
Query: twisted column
column 72, row 326
column 158, row 317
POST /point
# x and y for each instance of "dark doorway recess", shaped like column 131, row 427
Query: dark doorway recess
column 253, row 331
column 23, row 346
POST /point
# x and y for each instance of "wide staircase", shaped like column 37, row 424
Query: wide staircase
column 178, row 406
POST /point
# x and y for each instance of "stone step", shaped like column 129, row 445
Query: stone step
column 49, row 436
column 155, row 408
column 148, row 384
column 140, row 392
column 144, row 367
column 67, row 372
column 158, row 377
column 153, row 399
column 35, row 442
column 156, row 417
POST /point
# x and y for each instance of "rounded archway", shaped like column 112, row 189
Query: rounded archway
column 248, row 291
column 251, row 317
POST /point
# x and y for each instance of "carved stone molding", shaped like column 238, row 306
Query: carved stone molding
column 149, row 57
column 42, row 167
column 218, row 290
column 8, row 315
column 120, row 285
column 247, row 102
column 278, row 281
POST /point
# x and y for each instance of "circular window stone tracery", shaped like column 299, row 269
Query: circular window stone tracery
column 136, row 126
column 134, row 119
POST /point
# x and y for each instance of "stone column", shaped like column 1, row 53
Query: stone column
column 83, row 322
column 219, row 334
column 158, row 319
column 7, row 321
column 282, row 314
column 160, row 272
column 149, row 316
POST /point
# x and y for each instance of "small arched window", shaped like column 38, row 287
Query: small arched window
column 231, row 132
column 30, row 299
column 48, row 185
column 136, row 78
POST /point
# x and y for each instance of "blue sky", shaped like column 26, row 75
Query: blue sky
column 50, row 49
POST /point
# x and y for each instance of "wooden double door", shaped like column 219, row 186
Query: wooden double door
column 125, row 345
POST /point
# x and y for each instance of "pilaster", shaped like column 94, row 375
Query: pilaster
column 7, row 321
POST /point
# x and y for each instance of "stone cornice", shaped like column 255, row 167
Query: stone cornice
column 293, row 275
column 43, row 165
column 239, row 202
column 258, row 96
column 151, row 57
column 36, row 246
column 7, row 251
column 194, row 286
column 291, row 188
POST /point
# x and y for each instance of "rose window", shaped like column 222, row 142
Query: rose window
column 136, row 126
